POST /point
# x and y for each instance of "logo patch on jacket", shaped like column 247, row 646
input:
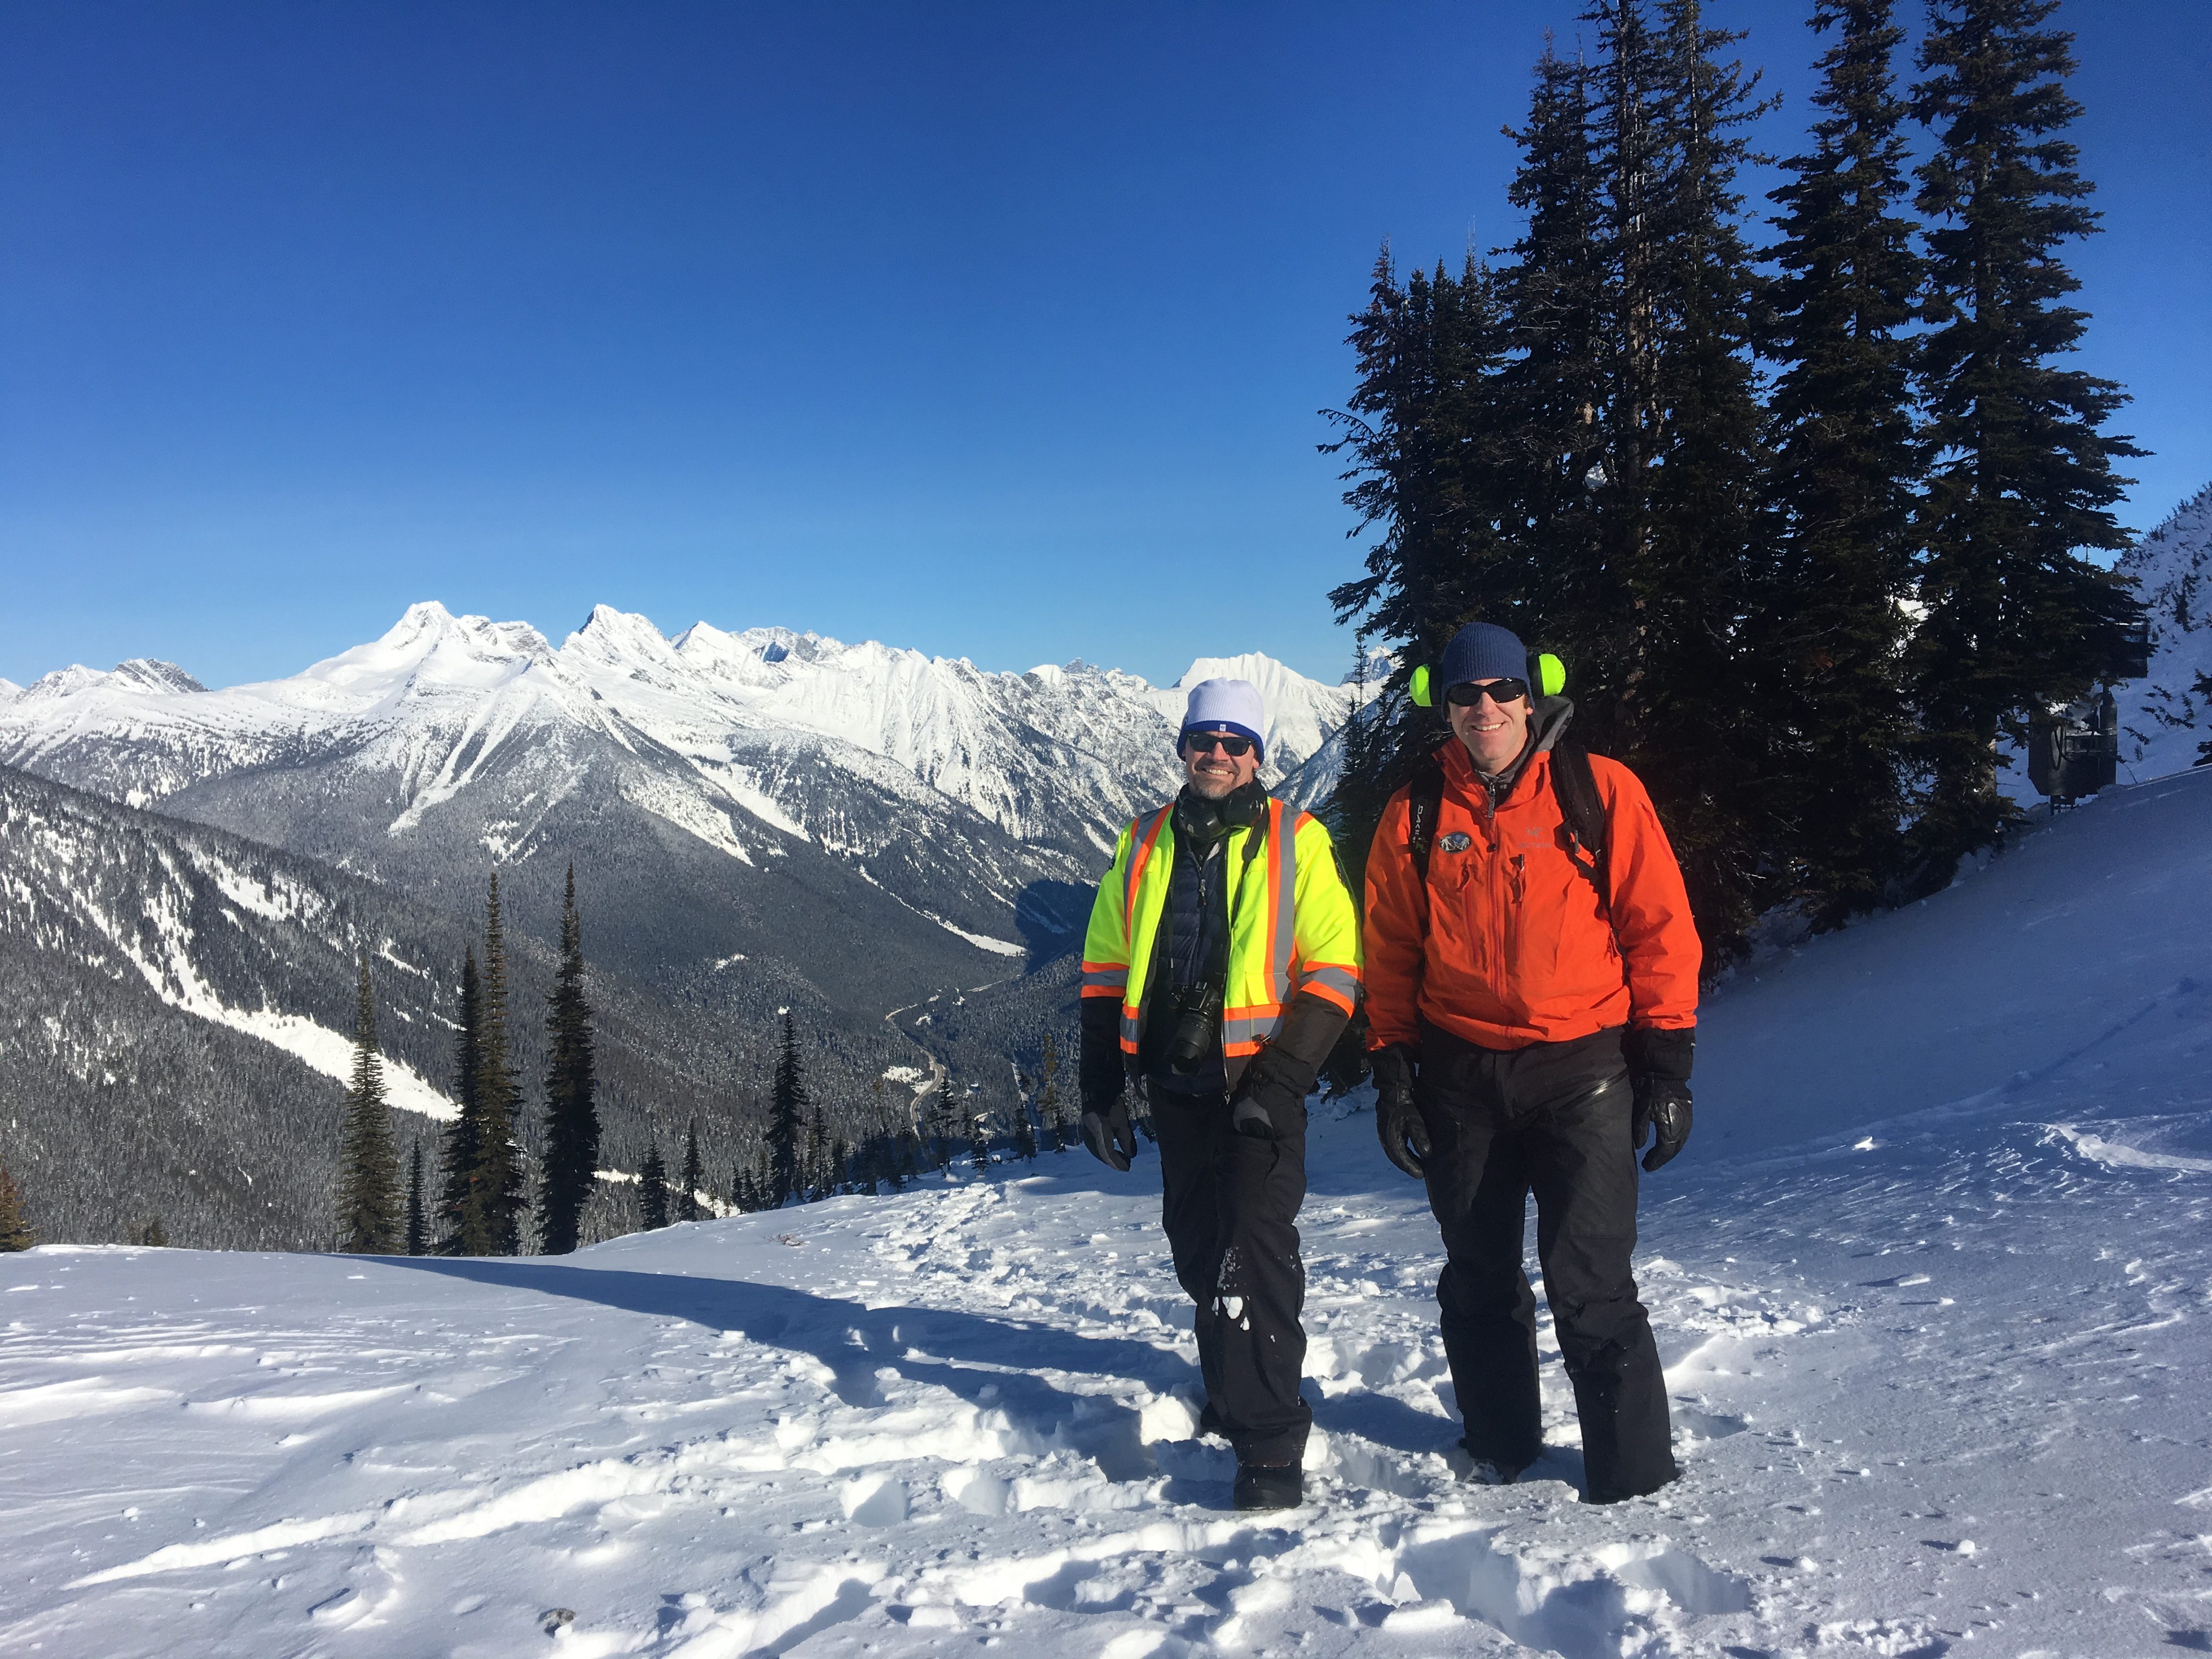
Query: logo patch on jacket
column 1457, row 842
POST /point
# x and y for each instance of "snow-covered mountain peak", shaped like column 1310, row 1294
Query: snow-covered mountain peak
column 430, row 650
column 62, row 683
column 2165, row 716
column 152, row 674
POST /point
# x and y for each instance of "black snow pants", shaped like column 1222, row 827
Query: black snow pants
column 1553, row 1118
column 1231, row 1211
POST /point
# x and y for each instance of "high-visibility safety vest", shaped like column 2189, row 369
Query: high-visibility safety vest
column 1292, row 925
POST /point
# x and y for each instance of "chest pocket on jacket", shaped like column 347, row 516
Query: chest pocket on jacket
column 1563, row 932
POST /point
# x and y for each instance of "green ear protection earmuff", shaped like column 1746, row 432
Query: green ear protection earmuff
column 1551, row 680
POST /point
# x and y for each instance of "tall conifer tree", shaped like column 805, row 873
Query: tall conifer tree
column 694, row 1178
column 787, row 1129
column 1049, row 1108
column 1551, row 387
column 2023, row 479
column 652, row 1189
column 1826, row 636
column 456, row 1205
column 368, row 1169
column 571, row 1158
column 1425, row 453
column 1681, row 506
column 418, row 1220
column 495, row 1186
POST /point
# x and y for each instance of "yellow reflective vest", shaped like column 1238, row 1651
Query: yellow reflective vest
column 1291, row 926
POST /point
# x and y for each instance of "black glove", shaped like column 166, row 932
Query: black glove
column 1107, row 1133
column 1659, row 1071
column 1397, row 1120
column 1662, row 1109
column 1272, row 1090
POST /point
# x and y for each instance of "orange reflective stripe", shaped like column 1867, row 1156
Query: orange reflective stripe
column 1105, row 979
column 1137, row 862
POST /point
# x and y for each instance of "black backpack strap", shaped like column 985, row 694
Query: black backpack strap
column 1576, row 786
column 1425, row 804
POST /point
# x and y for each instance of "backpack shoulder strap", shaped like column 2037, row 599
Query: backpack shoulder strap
column 1425, row 804
column 1576, row 785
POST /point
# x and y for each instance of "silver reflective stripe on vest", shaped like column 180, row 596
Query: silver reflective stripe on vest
column 1286, row 900
column 1342, row 980
column 1250, row 1028
column 1105, row 979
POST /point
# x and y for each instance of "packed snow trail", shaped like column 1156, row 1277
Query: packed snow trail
column 1938, row 1367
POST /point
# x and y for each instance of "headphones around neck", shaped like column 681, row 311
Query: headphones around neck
column 1551, row 680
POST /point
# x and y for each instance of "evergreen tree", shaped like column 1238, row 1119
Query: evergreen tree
column 1048, row 1102
column 16, row 1233
column 457, row 1207
column 497, row 1185
column 1425, row 452
column 788, row 1107
column 1681, row 520
column 744, row 1191
column 1551, row 386
column 1025, row 1137
column 153, row 1236
column 979, row 1141
column 418, row 1222
column 572, row 1119
column 1826, row 636
column 652, row 1189
column 2022, row 478
column 840, row 1163
column 687, row 1207
column 368, row 1168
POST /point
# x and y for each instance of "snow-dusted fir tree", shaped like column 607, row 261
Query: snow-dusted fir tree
column 652, row 1189
column 369, row 1220
column 693, row 1179
column 16, row 1233
column 571, row 1157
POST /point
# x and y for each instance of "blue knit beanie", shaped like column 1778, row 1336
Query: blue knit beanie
column 1482, row 651
column 1226, row 706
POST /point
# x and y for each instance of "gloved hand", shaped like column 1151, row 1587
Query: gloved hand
column 1662, row 1109
column 1108, row 1133
column 1659, row 1072
column 1274, row 1086
column 1397, row 1120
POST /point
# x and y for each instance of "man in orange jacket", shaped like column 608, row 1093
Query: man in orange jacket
column 1532, row 1012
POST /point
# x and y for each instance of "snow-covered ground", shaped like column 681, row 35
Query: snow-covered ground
column 1932, row 1285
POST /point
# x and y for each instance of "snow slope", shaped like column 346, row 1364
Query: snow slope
column 1935, row 1337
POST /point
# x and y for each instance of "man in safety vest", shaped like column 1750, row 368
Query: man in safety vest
column 1221, row 964
column 1533, row 1012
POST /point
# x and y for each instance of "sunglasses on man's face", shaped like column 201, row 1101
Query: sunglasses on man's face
column 1205, row 743
column 1467, row 692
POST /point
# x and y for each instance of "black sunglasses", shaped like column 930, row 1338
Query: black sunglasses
column 1204, row 743
column 1467, row 692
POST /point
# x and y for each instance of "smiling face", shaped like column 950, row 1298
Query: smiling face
column 1494, row 736
column 1211, row 770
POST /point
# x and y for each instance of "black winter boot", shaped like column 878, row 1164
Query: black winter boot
column 1269, row 1486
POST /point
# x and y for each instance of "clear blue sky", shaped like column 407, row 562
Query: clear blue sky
column 993, row 330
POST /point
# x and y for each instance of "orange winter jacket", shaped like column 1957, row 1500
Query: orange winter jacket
column 1517, row 947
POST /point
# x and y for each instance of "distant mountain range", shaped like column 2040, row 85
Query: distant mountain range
column 758, row 821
